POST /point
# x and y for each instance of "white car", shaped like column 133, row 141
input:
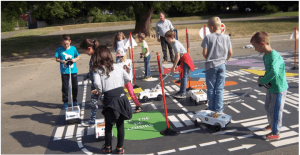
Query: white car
column 219, row 121
column 100, row 128
column 198, row 96
column 148, row 94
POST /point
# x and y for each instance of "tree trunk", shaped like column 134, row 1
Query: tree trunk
column 143, row 15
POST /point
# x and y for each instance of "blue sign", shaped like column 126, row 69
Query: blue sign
column 176, row 34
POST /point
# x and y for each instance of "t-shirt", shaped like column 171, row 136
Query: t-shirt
column 144, row 46
column 117, row 78
column 178, row 48
column 128, row 69
column 162, row 27
column 64, row 54
column 120, row 44
column 275, row 72
column 217, row 46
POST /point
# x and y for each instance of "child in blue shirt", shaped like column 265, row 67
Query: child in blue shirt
column 217, row 50
column 64, row 52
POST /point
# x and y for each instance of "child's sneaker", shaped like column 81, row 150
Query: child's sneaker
column 267, row 128
column 179, row 95
column 107, row 150
column 270, row 136
column 147, row 78
column 120, row 151
column 75, row 104
column 138, row 109
column 65, row 106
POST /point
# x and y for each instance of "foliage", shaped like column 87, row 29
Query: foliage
column 270, row 9
column 111, row 18
column 7, row 26
column 124, row 18
column 22, row 23
column 99, row 18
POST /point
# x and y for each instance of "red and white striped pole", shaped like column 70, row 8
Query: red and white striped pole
column 295, row 63
column 204, row 30
column 188, row 51
column 167, row 131
column 135, row 86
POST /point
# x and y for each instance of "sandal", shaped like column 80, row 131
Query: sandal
column 106, row 150
column 120, row 150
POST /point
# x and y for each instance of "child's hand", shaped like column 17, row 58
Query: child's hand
column 63, row 61
column 73, row 60
column 173, row 70
column 143, row 55
column 94, row 92
column 258, row 81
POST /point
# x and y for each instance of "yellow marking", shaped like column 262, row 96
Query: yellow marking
column 136, row 92
column 262, row 73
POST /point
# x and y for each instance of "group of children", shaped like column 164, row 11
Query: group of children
column 217, row 50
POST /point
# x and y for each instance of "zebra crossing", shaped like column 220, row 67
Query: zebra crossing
column 240, row 73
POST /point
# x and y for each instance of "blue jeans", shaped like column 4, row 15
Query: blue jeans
column 215, row 80
column 147, row 65
column 183, row 81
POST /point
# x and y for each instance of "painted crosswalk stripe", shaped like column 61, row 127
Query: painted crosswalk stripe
column 169, row 88
column 91, row 130
column 166, row 152
column 287, row 134
column 175, row 121
column 253, row 96
column 235, row 90
column 261, row 133
column 291, row 101
column 296, row 95
column 187, row 147
column 230, row 107
column 242, row 80
column 184, row 109
column 58, row 133
column 285, row 111
column 229, row 98
column 295, row 126
column 244, row 72
column 244, row 104
column 80, row 131
column 70, row 131
column 238, row 72
column 260, row 101
column 226, row 140
column 257, row 90
column 185, row 119
column 292, row 97
column 80, row 83
column 226, row 131
column 246, row 88
column 255, row 122
column 191, row 130
column 175, row 87
column 234, row 74
column 285, row 141
column 245, row 136
column 249, row 119
column 258, row 127
column 79, row 143
column 208, row 143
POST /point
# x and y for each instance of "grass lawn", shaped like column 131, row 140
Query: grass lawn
column 34, row 44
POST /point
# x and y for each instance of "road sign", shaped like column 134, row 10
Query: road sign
column 176, row 33
column 223, row 28
column 201, row 32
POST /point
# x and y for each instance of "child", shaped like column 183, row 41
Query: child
column 186, row 62
column 88, row 46
column 127, row 65
column 275, row 74
column 63, row 53
column 119, row 42
column 217, row 50
column 109, row 79
column 146, row 55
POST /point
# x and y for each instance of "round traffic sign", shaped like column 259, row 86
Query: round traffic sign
column 223, row 28
column 201, row 32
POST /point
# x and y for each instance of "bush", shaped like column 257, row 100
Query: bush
column 271, row 8
column 155, row 16
column 111, row 18
column 6, row 26
column 22, row 23
column 124, row 18
column 99, row 18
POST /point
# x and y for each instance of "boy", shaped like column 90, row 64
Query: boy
column 186, row 62
column 63, row 53
column 275, row 74
column 217, row 50
column 146, row 55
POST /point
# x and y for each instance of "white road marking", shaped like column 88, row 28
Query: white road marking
column 258, row 127
column 169, row 88
column 292, row 97
column 253, row 96
column 185, row 119
column 179, row 105
column 287, row 134
column 285, row 142
column 242, row 80
column 255, row 122
column 249, row 119
column 226, row 131
column 244, row 72
column 285, row 111
column 230, row 107
column 235, row 90
column 80, row 131
column 245, row 136
column 208, row 143
column 244, row 104
column 291, row 101
column 187, row 147
column 243, row 146
column 191, row 130
column 260, row 133
column 296, row 95
column 79, row 143
column 165, row 152
column 154, row 107
column 175, row 87
column 246, row 88
column 261, row 102
column 294, row 126
column 184, row 109
column 70, row 131
column 175, row 121
column 226, row 140
column 80, row 83
column 225, row 99
column 58, row 133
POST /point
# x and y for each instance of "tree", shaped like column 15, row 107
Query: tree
column 11, row 11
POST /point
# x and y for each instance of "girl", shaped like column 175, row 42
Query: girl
column 109, row 80
column 88, row 46
column 119, row 42
column 127, row 65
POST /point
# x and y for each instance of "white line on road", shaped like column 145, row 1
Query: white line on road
column 175, row 121
column 80, row 131
column 245, row 136
column 255, row 122
column 285, row 142
column 244, row 104
column 226, row 140
column 185, row 119
column 165, row 152
column 249, row 119
column 258, row 127
column 295, row 126
column 70, row 131
column 261, row 102
column 208, row 143
column 230, row 107
column 58, row 133
column 91, row 130
column 187, row 147
column 226, row 131
column 191, row 130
